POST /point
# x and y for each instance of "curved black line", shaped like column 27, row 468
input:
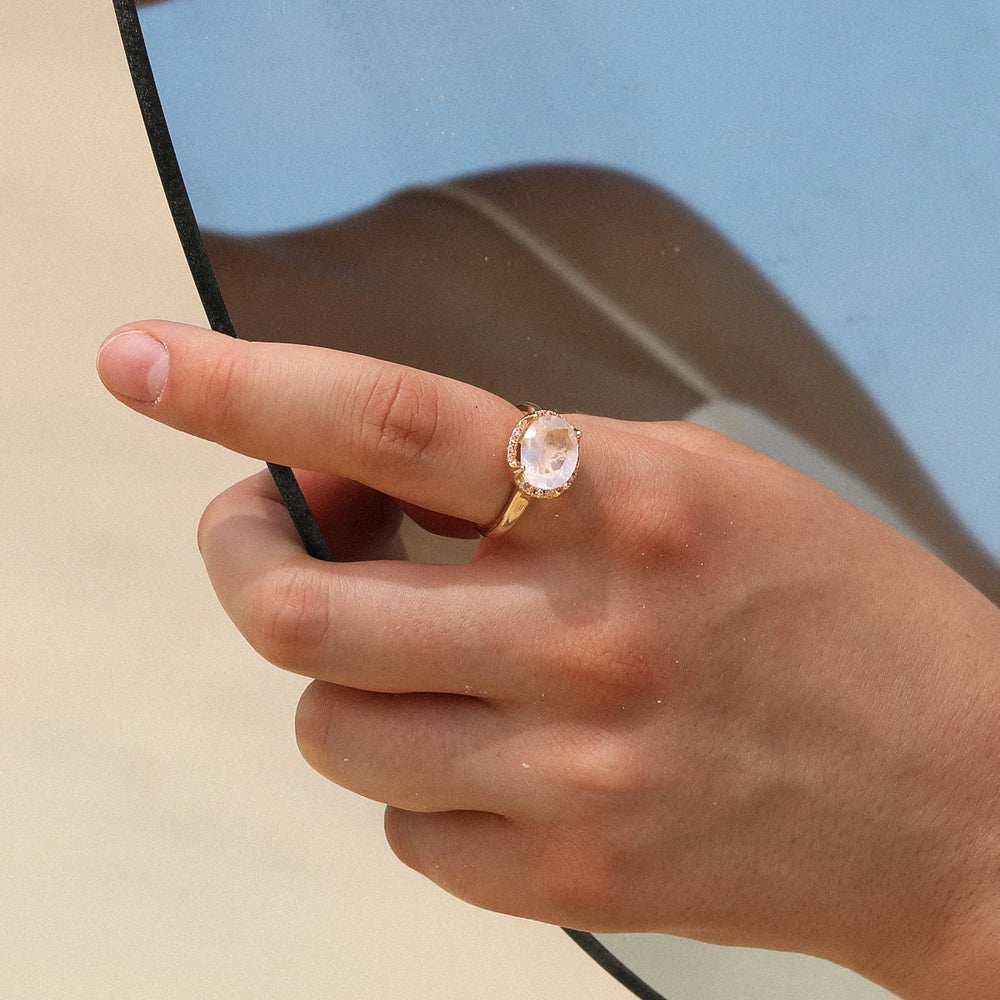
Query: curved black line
column 194, row 246
column 169, row 169
column 613, row 965
column 219, row 319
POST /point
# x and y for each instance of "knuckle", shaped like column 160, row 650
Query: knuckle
column 287, row 619
column 587, row 865
column 613, row 665
column 610, row 768
column 574, row 874
column 399, row 417
column 222, row 379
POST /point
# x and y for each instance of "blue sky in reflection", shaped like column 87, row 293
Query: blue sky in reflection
column 852, row 154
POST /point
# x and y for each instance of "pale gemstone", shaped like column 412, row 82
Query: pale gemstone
column 549, row 452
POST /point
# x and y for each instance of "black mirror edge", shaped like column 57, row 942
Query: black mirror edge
column 194, row 246
column 614, row 966
column 219, row 319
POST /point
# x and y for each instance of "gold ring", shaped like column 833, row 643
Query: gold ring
column 544, row 455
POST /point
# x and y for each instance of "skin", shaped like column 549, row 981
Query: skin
column 697, row 694
column 420, row 280
column 714, row 700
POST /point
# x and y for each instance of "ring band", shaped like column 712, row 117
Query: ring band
column 543, row 453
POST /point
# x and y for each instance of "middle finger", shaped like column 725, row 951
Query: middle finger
column 382, row 625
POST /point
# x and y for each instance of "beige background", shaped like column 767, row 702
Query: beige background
column 159, row 835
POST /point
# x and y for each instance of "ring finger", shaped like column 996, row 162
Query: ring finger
column 419, row 752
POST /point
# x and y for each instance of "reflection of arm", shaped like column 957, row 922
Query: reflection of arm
column 426, row 280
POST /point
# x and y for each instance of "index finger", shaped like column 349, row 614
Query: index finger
column 422, row 438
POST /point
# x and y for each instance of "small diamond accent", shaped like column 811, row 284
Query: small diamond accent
column 544, row 452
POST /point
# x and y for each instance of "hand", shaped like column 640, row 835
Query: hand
column 696, row 694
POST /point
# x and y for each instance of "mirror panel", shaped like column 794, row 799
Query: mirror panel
column 850, row 158
column 780, row 220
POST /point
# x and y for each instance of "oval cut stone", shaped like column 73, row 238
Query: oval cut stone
column 549, row 452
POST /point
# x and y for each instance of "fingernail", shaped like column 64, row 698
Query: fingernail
column 134, row 365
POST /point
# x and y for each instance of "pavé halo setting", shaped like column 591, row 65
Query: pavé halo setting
column 544, row 456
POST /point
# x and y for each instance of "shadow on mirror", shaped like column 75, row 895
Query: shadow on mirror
column 485, row 193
